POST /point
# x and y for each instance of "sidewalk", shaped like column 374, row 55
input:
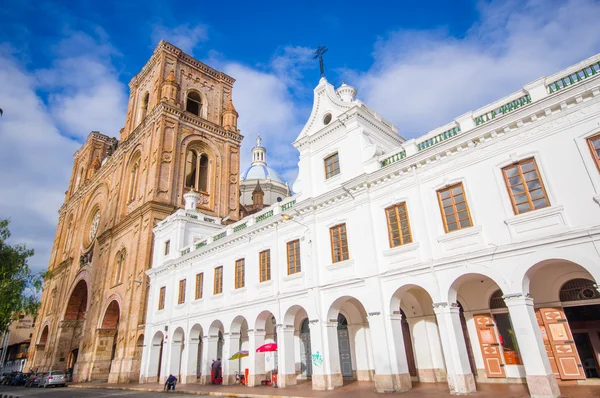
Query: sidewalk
column 350, row 390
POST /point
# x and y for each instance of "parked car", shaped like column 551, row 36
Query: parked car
column 19, row 379
column 34, row 380
column 3, row 377
column 53, row 378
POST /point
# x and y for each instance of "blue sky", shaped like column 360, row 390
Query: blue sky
column 65, row 65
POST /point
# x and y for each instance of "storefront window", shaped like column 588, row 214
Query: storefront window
column 508, row 340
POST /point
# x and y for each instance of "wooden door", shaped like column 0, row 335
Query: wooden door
column 490, row 348
column 559, row 343
column 345, row 356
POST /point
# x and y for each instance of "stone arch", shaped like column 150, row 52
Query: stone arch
column 112, row 314
column 352, row 339
column 155, row 364
column 416, row 339
column 195, row 350
column 43, row 337
column 261, row 319
column 535, row 261
column 200, row 97
column 299, row 360
column 415, row 299
column 177, row 347
column 132, row 175
column 78, row 301
column 493, row 282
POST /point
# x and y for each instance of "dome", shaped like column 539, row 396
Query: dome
column 258, row 171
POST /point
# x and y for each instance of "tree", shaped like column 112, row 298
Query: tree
column 19, row 287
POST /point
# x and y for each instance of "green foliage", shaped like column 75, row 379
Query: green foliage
column 18, row 286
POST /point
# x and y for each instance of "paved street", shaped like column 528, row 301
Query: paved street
column 351, row 390
column 65, row 392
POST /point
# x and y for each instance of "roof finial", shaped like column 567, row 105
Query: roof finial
column 258, row 140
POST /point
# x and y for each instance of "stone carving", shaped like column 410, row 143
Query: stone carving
column 114, row 143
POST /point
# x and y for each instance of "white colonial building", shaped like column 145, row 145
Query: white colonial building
column 468, row 255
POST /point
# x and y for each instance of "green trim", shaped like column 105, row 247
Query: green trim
column 239, row 227
column 220, row 236
column 438, row 138
column 503, row 110
column 393, row 159
column 201, row 244
column 264, row 216
column 574, row 78
column 288, row 205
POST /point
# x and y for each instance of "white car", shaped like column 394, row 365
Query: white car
column 53, row 378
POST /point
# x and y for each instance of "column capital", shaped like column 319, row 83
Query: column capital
column 445, row 307
column 513, row 299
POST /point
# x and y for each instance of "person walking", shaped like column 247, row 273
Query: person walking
column 170, row 383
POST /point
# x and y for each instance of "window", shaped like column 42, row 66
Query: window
column 193, row 103
column 525, row 186
column 293, row 257
column 167, row 247
column 339, row 243
column 161, row 298
column 218, row 288
column 181, row 295
column 240, row 273
column 133, row 180
column 455, row 211
column 199, row 285
column 196, row 171
column 398, row 225
column 144, row 107
column 265, row 265
column 332, row 166
column 594, row 143
column 119, row 263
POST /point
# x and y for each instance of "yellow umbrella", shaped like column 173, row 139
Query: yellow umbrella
column 239, row 355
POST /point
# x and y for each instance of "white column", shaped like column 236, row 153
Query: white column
column 391, row 367
column 286, row 372
column 231, row 346
column 209, row 354
column 190, row 362
column 540, row 378
column 256, row 359
column 322, row 363
column 176, row 348
column 460, row 378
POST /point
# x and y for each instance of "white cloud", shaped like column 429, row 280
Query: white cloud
column 185, row 36
column 86, row 93
column 35, row 162
column 36, row 154
column 421, row 80
column 267, row 107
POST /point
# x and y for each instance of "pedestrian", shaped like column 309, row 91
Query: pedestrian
column 170, row 383
column 216, row 366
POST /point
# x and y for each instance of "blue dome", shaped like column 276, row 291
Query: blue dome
column 261, row 172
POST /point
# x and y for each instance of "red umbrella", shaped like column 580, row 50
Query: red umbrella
column 267, row 347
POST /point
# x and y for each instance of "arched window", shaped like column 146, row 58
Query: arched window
column 67, row 241
column 496, row 300
column 144, row 107
column 578, row 289
column 196, row 171
column 119, row 263
column 133, row 180
column 193, row 103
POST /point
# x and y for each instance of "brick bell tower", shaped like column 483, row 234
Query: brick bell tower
column 180, row 134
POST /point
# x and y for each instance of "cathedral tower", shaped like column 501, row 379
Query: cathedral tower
column 180, row 134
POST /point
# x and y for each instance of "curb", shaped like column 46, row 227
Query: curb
column 205, row 393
